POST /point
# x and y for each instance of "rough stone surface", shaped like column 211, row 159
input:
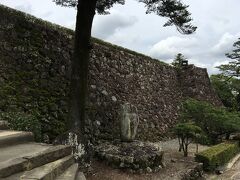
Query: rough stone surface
column 8, row 138
column 70, row 173
column 3, row 125
column 196, row 172
column 50, row 170
column 138, row 156
column 35, row 70
column 14, row 159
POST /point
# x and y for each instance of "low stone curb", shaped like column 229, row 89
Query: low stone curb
column 233, row 161
column 70, row 174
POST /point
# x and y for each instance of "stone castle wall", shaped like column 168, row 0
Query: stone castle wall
column 35, row 70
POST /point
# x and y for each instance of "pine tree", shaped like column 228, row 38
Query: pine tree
column 232, row 69
column 177, row 62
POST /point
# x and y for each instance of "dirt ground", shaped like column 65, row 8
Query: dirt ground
column 176, row 165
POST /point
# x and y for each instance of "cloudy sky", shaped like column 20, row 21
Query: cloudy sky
column 129, row 26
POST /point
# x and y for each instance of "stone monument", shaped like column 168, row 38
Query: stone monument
column 129, row 153
column 129, row 121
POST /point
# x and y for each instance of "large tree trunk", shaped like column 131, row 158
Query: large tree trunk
column 80, row 63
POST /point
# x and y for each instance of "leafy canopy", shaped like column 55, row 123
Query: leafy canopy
column 232, row 69
column 177, row 62
column 189, row 130
column 228, row 89
column 174, row 10
column 214, row 121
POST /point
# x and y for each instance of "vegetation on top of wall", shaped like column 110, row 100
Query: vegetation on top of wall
column 34, row 20
column 217, row 155
column 119, row 48
column 69, row 32
column 177, row 62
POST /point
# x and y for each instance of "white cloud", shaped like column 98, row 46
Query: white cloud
column 24, row 7
column 171, row 46
column 225, row 44
column 218, row 63
column 108, row 25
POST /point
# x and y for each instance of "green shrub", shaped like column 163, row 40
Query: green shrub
column 216, row 122
column 217, row 155
column 204, row 139
column 22, row 121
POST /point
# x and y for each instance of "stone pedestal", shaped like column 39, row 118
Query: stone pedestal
column 137, row 156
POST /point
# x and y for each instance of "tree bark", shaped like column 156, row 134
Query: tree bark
column 197, row 146
column 185, row 150
column 80, row 64
column 180, row 141
column 228, row 136
column 185, row 147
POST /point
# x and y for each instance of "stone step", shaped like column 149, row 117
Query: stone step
column 24, row 157
column 13, row 177
column 80, row 176
column 9, row 138
column 70, row 174
column 49, row 171
column 3, row 125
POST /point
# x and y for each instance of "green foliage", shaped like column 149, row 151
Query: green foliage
column 224, row 89
column 214, row 121
column 22, row 121
column 203, row 139
column 187, row 130
column 186, row 133
column 177, row 62
column 228, row 89
column 217, row 155
column 232, row 69
column 230, row 76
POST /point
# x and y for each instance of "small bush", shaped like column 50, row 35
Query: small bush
column 204, row 139
column 22, row 121
column 217, row 155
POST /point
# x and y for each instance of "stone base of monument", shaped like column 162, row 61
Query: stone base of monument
column 136, row 156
